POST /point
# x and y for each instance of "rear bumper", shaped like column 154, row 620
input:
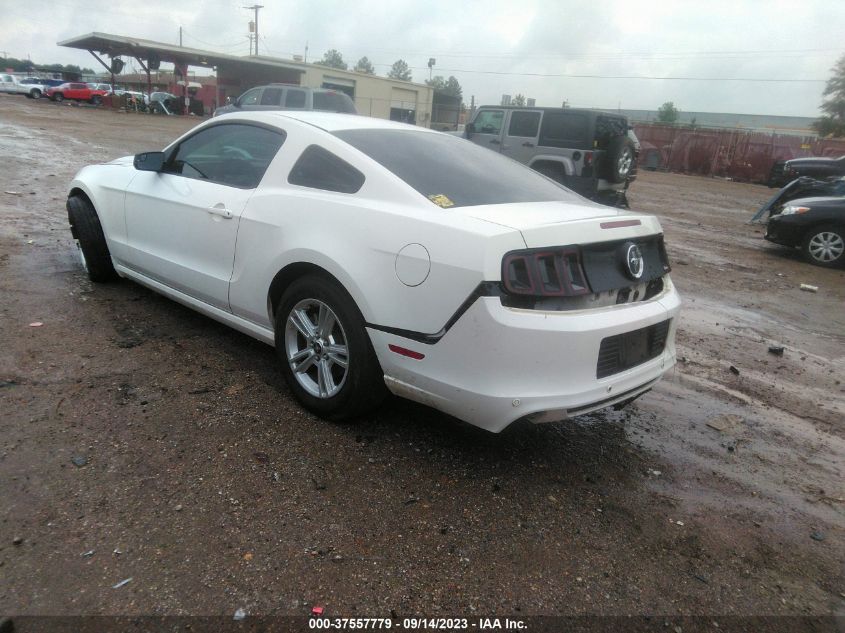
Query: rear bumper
column 497, row 364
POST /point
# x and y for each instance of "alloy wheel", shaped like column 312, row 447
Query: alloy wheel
column 316, row 348
column 826, row 246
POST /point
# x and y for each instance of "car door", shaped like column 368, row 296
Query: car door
column 182, row 222
column 251, row 99
column 488, row 126
column 520, row 138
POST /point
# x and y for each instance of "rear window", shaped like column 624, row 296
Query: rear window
column 453, row 172
column 333, row 102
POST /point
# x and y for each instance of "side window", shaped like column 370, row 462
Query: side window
column 524, row 123
column 271, row 97
column 231, row 154
column 78, row 86
column 295, row 98
column 564, row 129
column 320, row 169
column 250, row 97
column 489, row 121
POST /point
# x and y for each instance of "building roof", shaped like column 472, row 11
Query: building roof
column 114, row 45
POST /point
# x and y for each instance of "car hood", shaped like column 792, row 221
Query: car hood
column 826, row 202
column 123, row 160
column 559, row 223
column 813, row 160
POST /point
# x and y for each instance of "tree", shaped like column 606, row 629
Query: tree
column 333, row 59
column 365, row 66
column 400, row 71
column 518, row 100
column 449, row 86
column 453, row 88
column 832, row 122
column 437, row 82
column 668, row 113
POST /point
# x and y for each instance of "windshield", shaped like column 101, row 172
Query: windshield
column 452, row 172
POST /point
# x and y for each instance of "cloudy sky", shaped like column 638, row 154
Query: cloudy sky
column 585, row 53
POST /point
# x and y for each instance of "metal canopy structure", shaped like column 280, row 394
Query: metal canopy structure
column 231, row 69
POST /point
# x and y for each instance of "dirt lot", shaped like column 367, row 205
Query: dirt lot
column 203, row 481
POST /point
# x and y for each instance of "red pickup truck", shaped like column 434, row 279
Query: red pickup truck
column 75, row 91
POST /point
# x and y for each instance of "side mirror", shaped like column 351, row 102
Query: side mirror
column 149, row 161
column 470, row 129
column 237, row 102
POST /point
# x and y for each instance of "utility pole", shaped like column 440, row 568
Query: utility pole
column 255, row 8
column 180, row 36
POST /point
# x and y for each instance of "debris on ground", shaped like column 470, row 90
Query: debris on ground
column 817, row 536
column 734, row 370
column 122, row 583
column 14, row 193
column 724, row 422
column 79, row 460
column 317, row 611
column 240, row 614
column 809, row 288
column 17, row 540
column 36, row 324
column 87, row 554
column 777, row 350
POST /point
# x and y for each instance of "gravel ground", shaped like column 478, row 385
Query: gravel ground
column 139, row 440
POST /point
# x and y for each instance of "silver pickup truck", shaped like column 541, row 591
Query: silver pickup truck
column 594, row 153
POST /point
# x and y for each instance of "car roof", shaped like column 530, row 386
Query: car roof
column 328, row 121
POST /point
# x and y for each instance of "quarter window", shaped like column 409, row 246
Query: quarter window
column 524, row 124
column 231, row 154
column 564, row 129
column 318, row 168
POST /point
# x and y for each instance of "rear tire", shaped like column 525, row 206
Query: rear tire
column 96, row 100
column 825, row 246
column 318, row 328
column 91, row 240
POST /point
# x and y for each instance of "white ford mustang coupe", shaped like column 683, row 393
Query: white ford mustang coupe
column 378, row 256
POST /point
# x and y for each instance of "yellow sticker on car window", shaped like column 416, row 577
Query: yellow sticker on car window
column 441, row 201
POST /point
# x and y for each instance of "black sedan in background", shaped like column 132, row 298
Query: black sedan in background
column 815, row 225
column 819, row 167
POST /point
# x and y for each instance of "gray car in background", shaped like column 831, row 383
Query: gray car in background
column 290, row 97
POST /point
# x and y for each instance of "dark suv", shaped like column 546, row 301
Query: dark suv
column 593, row 153
column 290, row 97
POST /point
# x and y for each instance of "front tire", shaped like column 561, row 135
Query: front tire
column 825, row 246
column 94, row 252
column 58, row 97
column 327, row 357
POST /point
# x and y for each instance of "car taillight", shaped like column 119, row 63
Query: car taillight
column 588, row 159
column 555, row 272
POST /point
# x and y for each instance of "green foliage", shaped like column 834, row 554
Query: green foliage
column 437, row 82
column 832, row 122
column 400, row 70
column 333, row 59
column 365, row 66
column 449, row 86
column 518, row 100
column 25, row 65
column 668, row 113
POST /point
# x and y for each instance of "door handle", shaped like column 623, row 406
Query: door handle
column 221, row 211
column 495, row 141
column 528, row 144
